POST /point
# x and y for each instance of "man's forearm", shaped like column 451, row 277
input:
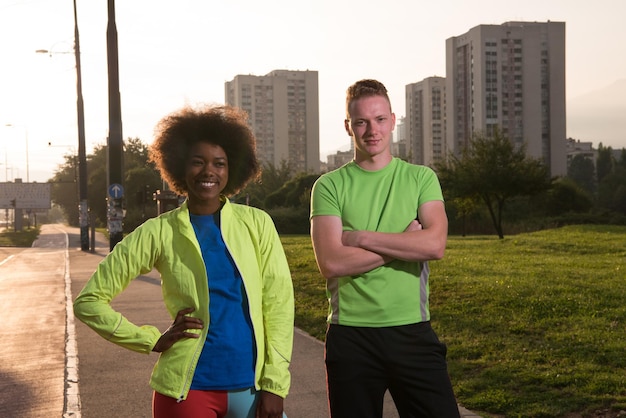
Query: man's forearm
column 350, row 261
column 422, row 245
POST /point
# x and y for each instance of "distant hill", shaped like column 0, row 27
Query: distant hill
column 599, row 116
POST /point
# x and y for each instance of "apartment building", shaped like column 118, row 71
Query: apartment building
column 509, row 77
column 283, row 111
column 576, row 147
column 424, row 123
column 338, row 159
column 399, row 144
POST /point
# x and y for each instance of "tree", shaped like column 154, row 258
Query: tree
column 622, row 159
column 141, row 178
column 97, row 179
column 272, row 178
column 566, row 196
column 604, row 162
column 464, row 206
column 295, row 193
column 139, row 175
column 581, row 170
column 494, row 171
column 64, row 188
column 612, row 191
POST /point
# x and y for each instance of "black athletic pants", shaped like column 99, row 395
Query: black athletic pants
column 409, row 361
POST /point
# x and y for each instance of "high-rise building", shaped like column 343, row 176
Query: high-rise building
column 283, row 111
column 509, row 77
column 425, row 120
column 399, row 144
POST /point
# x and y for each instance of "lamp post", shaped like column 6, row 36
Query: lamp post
column 6, row 164
column 83, row 209
column 10, row 125
column 115, row 202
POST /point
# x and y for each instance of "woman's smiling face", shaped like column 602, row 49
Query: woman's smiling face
column 206, row 175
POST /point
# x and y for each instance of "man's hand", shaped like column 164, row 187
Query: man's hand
column 269, row 406
column 414, row 225
column 421, row 240
column 351, row 238
column 178, row 330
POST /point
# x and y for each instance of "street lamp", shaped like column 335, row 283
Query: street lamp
column 6, row 164
column 6, row 170
column 10, row 125
column 83, row 211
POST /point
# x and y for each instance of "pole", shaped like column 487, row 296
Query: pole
column 83, row 211
column 6, row 163
column 27, row 168
column 115, row 211
column 26, row 141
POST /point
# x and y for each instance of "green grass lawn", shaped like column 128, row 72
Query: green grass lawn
column 535, row 323
column 23, row 238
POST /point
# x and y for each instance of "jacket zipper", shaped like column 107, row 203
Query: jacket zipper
column 189, row 375
column 196, row 353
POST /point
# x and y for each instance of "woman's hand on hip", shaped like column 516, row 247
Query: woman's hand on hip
column 179, row 330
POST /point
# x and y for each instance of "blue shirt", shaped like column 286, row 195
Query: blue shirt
column 228, row 356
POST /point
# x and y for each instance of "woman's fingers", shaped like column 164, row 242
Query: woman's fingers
column 179, row 330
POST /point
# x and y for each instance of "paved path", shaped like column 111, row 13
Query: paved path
column 53, row 367
column 33, row 304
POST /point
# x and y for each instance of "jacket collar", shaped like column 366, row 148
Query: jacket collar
column 182, row 213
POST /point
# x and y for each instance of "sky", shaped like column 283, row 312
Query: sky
column 176, row 53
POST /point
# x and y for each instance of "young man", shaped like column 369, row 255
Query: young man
column 375, row 222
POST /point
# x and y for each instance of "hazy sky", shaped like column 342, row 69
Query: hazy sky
column 173, row 53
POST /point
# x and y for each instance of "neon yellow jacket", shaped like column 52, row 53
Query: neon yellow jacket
column 168, row 243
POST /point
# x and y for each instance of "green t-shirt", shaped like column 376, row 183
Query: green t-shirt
column 386, row 200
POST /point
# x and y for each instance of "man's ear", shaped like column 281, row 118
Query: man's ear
column 348, row 128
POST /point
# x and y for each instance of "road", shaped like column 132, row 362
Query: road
column 33, row 302
column 38, row 370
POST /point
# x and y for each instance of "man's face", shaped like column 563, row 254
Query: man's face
column 371, row 123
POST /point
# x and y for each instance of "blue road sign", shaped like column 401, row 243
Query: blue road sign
column 116, row 191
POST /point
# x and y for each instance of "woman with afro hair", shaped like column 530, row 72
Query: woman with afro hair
column 224, row 277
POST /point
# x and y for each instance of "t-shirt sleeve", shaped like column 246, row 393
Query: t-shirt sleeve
column 430, row 188
column 324, row 198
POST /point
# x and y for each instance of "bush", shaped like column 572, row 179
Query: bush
column 291, row 220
